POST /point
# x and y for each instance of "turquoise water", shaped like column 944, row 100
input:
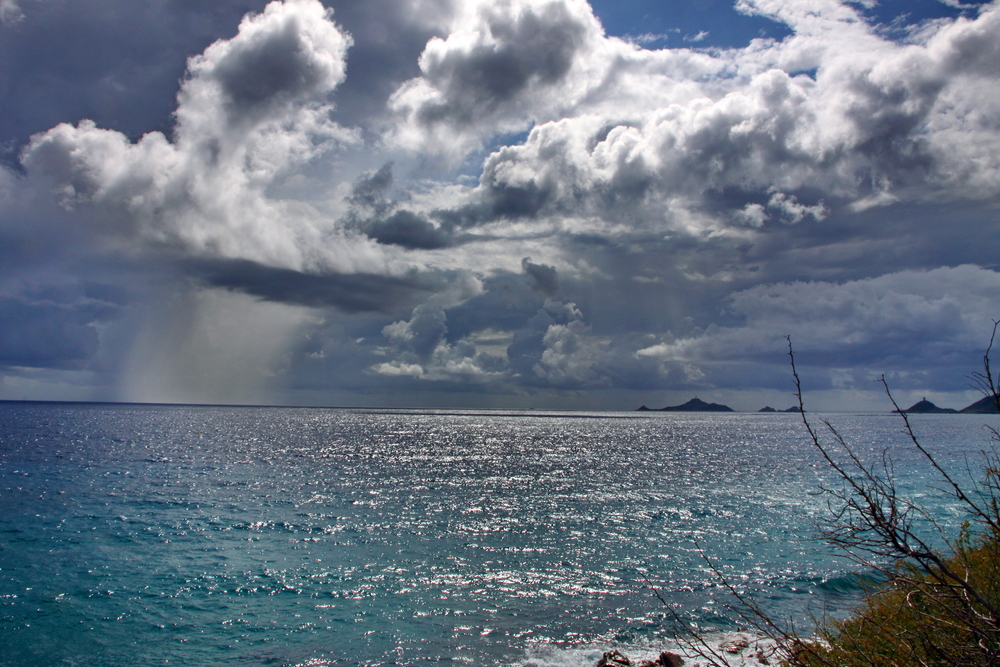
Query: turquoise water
column 155, row 535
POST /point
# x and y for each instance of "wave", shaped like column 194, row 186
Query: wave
column 735, row 649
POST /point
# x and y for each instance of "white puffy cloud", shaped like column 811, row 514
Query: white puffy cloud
column 506, row 66
column 660, row 137
column 557, row 348
column 571, row 352
column 501, row 64
column 792, row 211
column 753, row 215
column 422, row 334
column 250, row 110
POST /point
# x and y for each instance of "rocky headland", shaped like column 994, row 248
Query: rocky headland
column 694, row 405
column 925, row 407
column 984, row 406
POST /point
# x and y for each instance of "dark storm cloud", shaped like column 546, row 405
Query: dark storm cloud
column 350, row 293
column 506, row 303
column 380, row 218
column 409, row 230
column 423, row 333
column 544, row 278
column 503, row 201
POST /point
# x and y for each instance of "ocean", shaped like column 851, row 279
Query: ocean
column 176, row 535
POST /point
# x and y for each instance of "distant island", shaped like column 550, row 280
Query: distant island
column 925, row 407
column 985, row 405
column 694, row 405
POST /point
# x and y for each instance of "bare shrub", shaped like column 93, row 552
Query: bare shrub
column 939, row 600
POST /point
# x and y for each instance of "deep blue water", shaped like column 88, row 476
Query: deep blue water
column 154, row 535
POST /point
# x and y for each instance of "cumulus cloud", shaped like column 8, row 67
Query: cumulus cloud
column 419, row 347
column 501, row 64
column 836, row 111
column 506, row 197
column 847, row 333
column 792, row 211
column 384, row 220
column 555, row 348
column 249, row 109
column 567, row 359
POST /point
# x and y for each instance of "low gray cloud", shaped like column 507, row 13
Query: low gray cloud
column 925, row 319
column 348, row 292
column 407, row 229
column 55, row 327
column 544, row 278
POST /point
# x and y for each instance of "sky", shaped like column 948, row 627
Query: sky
column 498, row 203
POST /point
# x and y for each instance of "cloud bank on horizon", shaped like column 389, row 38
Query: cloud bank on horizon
column 427, row 202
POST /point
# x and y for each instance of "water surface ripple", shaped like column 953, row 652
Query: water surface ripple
column 154, row 535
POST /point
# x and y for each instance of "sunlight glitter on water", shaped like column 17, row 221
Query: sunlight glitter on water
column 138, row 535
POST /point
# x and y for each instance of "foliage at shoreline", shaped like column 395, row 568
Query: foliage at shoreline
column 920, row 619
column 936, row 605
